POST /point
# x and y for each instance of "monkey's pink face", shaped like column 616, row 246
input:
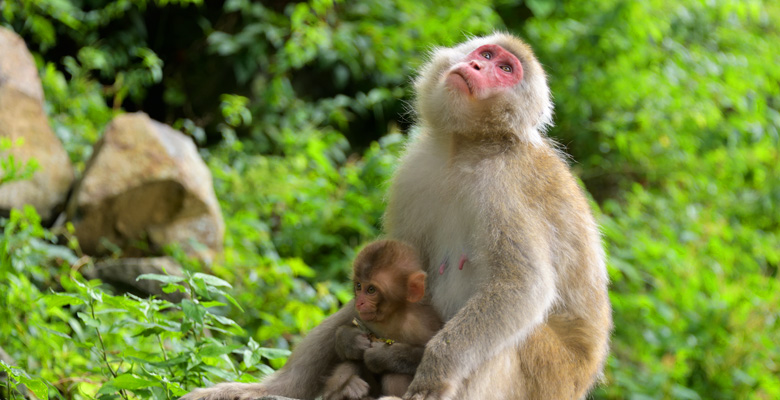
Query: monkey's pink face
column 367, row 300
column 484, row 70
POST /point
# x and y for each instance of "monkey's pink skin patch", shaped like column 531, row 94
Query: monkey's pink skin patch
column 463, row 259
column 441, row 268
column 488, row 67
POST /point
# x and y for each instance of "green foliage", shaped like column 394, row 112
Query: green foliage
column 17, row 376
column 12, row 169
column 689, row 74
column 331, row 65
column 671, row 111
column 88, row 343
column 78, row 110
column 132, row 67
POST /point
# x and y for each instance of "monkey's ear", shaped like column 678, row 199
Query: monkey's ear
column 415, row 289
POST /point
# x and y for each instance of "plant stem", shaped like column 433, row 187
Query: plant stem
column 103, row 348
column 165, row 354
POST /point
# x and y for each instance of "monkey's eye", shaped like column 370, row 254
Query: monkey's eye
column 487, row 55
column 371, row 290
column 506, row 68
column 357, row 287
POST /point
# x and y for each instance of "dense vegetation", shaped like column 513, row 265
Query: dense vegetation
column 671, row 111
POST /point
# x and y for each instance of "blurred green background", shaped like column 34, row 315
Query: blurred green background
column 670, row 110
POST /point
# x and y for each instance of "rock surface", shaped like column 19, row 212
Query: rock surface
column 17, row 67
column 22, row 117
column 144, row 187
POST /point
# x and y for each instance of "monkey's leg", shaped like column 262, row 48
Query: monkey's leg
column 560, row 359
column 345, row 383
column 395, row 384
column 564, row 358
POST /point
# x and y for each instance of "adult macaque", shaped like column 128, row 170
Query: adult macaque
column 526, row 310
column 389, row 285
column 528, row 316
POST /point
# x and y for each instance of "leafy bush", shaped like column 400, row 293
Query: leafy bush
column 89, row 343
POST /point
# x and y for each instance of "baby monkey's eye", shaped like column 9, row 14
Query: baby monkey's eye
column 357, row 287
column 506, row 68
column 488, row 55
column 371, row 290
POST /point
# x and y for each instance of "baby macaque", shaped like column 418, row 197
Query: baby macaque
column 393, row 327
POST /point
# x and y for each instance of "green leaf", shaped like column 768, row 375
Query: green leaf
column 273, row 353
column 233, row 302
column 128, row 302
column 186, row 325
column 211, row 280
column 5, row 367
column 224, row 375
column 150, row 331
column 105, row 311
column 56, row 333
column 264, row 369
column 160, row 278
column 37, row 386
column 681, row 392
column 132, row 382
column 182, row 359
column 172, row 287
column 224, row 320
column 216, row 350
column 176, row 389
column 541, row 8
column 57, row 300
column 193, row 311
column 247, row 378
column 209, row 304
column 88, row 320
column 251, row 358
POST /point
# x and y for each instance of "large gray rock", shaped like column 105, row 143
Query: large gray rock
column 22, row 117
column 17, row 67
column 144, row 187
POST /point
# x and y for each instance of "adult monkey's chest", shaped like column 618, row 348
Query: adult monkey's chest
column 441, row 219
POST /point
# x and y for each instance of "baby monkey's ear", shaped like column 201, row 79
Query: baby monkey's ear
column 415, row 287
